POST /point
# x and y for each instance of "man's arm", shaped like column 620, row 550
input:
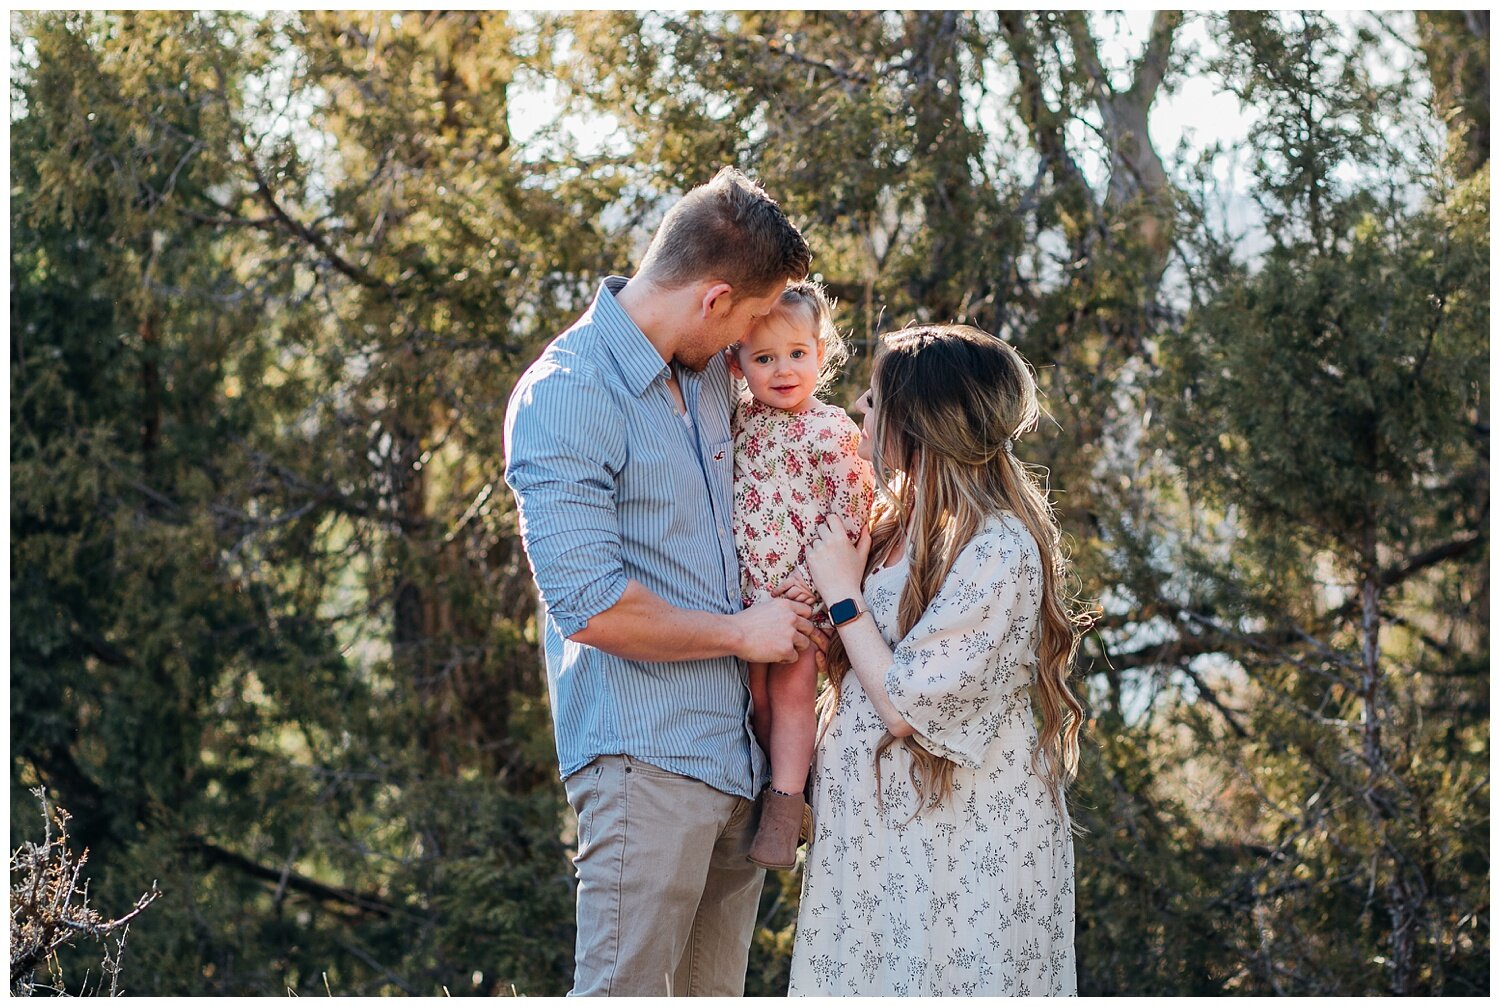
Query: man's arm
column 564, row 446
column 641, row 626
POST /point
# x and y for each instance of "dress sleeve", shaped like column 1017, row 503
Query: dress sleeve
column 961, row 673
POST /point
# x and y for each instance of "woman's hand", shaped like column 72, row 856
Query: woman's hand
column 836, row 560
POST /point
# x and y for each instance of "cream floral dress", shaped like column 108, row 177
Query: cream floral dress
column 790, row 469
column 974, row 897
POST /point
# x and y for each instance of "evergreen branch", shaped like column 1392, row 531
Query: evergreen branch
column 1042, row 120
column 1189, row 645
column 1391, row 576
column 776, row 48
column 375, row 965
column 59, row 770
column 227, row 218
column 1429, row 557
column 1087, row 53
column 102, row 649
column 1218, row 639
column 1209, row 694
column 314, row 238
column 367, row 904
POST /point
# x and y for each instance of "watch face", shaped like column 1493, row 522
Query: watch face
column 842, row 611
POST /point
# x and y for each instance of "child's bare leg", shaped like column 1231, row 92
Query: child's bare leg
column 794, row 724
column 760, row 696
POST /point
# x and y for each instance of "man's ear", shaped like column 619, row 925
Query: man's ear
column 717, row 296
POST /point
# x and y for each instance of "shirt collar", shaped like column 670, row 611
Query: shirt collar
column 639, row 362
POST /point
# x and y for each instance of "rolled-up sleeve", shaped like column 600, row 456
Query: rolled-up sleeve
column 564, row 447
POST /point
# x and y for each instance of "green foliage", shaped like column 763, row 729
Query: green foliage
column 273, row 637
column 1456, row 46
column 1332, row 401
column 198, row 541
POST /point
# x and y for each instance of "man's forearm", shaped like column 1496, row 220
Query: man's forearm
column 642, row 626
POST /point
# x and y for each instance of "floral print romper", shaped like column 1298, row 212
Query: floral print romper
column 790, row 470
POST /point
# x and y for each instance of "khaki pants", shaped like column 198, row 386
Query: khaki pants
column 666, row 899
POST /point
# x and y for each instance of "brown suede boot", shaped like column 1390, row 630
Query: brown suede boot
column 775, row 845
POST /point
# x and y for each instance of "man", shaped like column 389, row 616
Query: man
column 619, row 452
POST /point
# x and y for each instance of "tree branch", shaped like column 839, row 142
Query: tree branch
column 317, row 240
column 1429, row 557
column 1086, row 51
column 778, row 48
column 1190, row 645
column 340, row 897
column 1215, row 640
column 1391, row 576
column 1040, row 118
column 1152, row 66
column 1209, row 694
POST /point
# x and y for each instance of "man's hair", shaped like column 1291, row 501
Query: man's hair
column 727, row 229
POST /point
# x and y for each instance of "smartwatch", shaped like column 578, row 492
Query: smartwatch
column 844, row 612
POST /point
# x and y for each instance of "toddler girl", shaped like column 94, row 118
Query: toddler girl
column 795, row 461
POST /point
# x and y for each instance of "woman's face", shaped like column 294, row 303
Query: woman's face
column 866, row 405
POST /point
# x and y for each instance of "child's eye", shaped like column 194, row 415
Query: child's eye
column 764, row 358
column 798, row 354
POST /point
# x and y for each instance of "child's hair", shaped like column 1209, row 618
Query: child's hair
column 807, row 297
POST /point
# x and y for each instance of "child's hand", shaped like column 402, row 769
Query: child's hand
column 795, row 589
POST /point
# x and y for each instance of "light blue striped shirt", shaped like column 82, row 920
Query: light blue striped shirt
column 612, row 486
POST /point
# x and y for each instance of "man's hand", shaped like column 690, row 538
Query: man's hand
column 774, row 631
column 797, row 590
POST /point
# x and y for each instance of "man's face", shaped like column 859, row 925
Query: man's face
column 728, row 322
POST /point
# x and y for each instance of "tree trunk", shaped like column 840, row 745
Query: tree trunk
column 1138, row 185
column 936, row 98
column 1456, row 45
column 1381, row 799
column 1370, row 690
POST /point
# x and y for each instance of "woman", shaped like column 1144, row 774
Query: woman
column 942, row 859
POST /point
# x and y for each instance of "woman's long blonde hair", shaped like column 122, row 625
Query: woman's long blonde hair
column 949, row 400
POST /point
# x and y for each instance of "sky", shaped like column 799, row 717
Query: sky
column 1194, row 115
column 1194, row 111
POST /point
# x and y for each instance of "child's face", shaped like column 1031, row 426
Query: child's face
column 779, row 360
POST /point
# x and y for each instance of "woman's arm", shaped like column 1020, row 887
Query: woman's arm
column 837, row 565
